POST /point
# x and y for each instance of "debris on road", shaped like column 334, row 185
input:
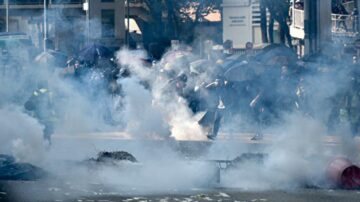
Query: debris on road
column 12, row 170
column 113, row 157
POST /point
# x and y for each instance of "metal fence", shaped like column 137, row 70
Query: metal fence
column 344, row 23
column 38, row 2
column 25, row 2
column 67, row 1
column 341, row 24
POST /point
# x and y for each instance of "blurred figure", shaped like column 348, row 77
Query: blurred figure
column 215, row 107
column 249, row 50
column 179, row 84
column 345, row 110
column 258, row 110
column 228, row 48
column 40, row 106
column 299, row 4
column 339, row 9
column 353, row 98
column 354, row 17
column 249, row 47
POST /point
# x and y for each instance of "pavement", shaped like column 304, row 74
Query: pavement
column 244, row 196
column 77, row 147
column 40, row 191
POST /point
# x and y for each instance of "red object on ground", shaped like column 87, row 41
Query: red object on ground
column 343, row 173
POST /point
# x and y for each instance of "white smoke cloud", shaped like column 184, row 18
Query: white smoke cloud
column 152, row 109
column 142, row 117
column 21, row 135
column 166, row 105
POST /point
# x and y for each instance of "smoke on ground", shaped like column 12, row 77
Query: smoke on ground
column 152, row 109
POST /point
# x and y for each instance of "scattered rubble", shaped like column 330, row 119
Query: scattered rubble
column 113, row 157
column 12, row 170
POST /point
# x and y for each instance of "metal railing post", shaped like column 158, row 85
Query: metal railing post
column 7, row 15
column 45, row 25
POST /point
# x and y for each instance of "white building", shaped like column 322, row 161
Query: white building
column 311, row 25
column 241, row 22
column 67, row 21
column 107, row 21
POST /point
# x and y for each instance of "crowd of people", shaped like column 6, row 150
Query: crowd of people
column 262, row 88
column 254, row 89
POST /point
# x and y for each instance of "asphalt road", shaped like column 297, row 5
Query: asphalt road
column 39, row 191
column 78, row 148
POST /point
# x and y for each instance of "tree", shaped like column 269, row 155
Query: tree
column 174, row 19
column 191, row 14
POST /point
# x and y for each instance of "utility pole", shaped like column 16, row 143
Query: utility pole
column 201, row 31
column 45, row 25
column 86, row 8
column 357, row 6
column 7, row 15
column 87, row 21
column 128, row 23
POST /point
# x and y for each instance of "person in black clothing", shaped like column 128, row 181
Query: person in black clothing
column 339, row 9
column 354, row 16
column 40, row 106
column 215, row 107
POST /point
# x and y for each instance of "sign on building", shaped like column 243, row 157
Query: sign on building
column 239, row 22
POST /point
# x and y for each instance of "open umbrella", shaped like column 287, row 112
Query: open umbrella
column 92, row 53
column 243, row 72
column 277, row 54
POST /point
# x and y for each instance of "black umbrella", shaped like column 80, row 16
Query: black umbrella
column 233, row 60
column 243, row 72
column 277, row 54
column 92, row 53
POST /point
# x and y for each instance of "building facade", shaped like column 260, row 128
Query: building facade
column 241, row 22
column 107, row 22
column 70, row 23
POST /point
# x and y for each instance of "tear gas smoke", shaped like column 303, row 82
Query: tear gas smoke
column 21, row 135
column 150, row 107
column 297, row 158
column 170, row 112
column 142, row 118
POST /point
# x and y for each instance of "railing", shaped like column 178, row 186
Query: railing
column 25, row 2
column 298, row 18
column 342, row 24
column 242, row 51
column 38, row 2
column 67, row 1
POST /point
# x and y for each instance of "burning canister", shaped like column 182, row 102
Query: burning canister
column 343, row 173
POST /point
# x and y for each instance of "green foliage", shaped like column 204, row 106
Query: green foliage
column 177, row 18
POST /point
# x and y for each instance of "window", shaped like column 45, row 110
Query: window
column 66, row 1
column 108, row 23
